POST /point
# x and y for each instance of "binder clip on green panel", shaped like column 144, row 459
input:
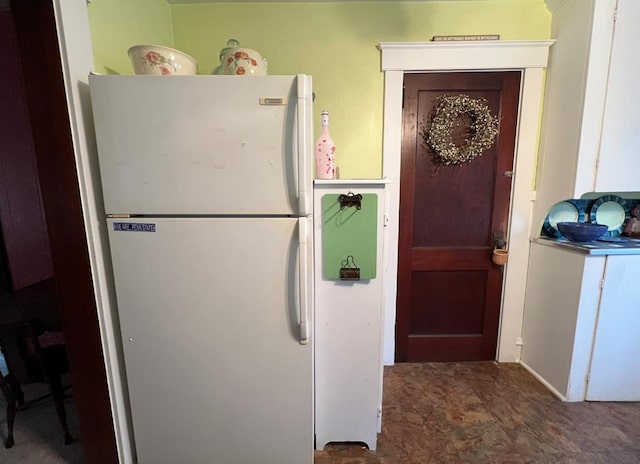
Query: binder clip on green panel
column 350, row 199
column 349, row 269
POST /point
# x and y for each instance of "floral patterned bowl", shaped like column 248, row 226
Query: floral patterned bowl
column 243, row 62
column 164, row 61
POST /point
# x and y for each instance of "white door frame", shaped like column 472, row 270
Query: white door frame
column 76, row 54
column 529, row 57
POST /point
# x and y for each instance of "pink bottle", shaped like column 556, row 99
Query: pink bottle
column 325, row 151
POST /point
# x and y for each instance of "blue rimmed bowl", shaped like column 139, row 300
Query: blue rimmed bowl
column 582, row 231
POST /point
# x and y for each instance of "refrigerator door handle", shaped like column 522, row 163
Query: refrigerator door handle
column 304, row 92
column 303, row 282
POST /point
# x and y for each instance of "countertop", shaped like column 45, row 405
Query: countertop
column 607, row 246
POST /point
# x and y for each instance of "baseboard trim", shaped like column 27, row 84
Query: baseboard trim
column 543, row 381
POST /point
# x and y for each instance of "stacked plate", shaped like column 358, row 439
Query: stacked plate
column 610, row 210
column 565, row 211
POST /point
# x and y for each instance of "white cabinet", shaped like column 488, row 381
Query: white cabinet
column 348, row 334
column 619, row 164
column 589, row 139
column 560, row 312
column 570, row 297
column 614, row 373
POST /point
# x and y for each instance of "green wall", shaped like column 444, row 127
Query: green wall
column 117, row 25
column 335, row 42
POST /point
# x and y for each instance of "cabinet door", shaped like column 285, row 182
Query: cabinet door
column 559, row 317
column 574, row 101
column 614, row 364
column 619, row 164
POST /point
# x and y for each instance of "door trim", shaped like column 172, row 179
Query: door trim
column 529, row 57
column 76, row 54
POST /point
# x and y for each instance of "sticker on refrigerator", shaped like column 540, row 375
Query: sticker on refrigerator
column 134, row 227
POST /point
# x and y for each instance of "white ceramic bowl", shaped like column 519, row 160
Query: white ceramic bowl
column 243, row 62
column 161, row 61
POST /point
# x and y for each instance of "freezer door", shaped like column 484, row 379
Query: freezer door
column 210, row 318
column 204, row 144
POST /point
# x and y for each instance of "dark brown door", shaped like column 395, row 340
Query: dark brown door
column 449, row 291
column 47, row 106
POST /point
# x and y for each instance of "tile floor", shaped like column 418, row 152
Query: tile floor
column 489, row 413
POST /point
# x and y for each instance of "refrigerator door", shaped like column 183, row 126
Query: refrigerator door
column 216, row 368
column 204, row 144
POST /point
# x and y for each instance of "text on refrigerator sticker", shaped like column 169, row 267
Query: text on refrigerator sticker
column 134, row 227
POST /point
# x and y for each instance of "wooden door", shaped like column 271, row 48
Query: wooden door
column 58, row 180
column 449, row 291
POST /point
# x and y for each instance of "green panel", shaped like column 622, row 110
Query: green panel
column 349, row 231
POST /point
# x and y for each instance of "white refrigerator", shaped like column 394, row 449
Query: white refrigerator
column 207, row 183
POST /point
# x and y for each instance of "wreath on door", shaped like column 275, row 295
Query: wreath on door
column 450, row 112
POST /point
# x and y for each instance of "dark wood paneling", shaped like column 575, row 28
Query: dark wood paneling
column 5, row 279
column 37, row 36
column 449, row 291
column 450, row 348
column 21, row 213
column 445, row 302
column 448, row 259
column 453, row 205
